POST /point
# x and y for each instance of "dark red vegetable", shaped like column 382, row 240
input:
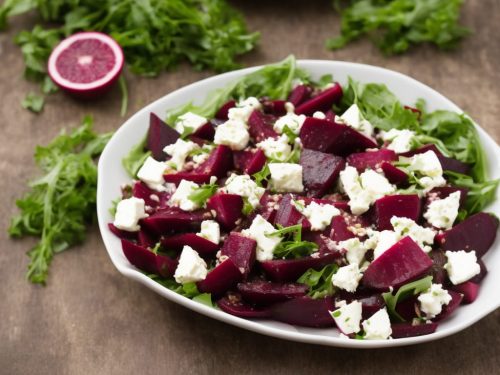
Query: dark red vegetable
column 263, row 292
column 227, row 209
column 200, row 244
column 305, row 311
column 260, row 126
column 274, row 107
column 468, row 289
column 146, row 239
column 370, row 159
column 456, row 299
column 122, row 234
column 403, row 205
column 395, row 175
column 288, row 215
column 319, row 171
column 221, row 278
column 206, row 131
column 174, row 219
column 142, row 191
column 300, row 94
column 148, row 261
column 448, row 164
column 176, row 178
column 159, row 136
column 249, row 162
column 234, row 305
column 321, row 102
column 401, row 330
column 444, row 192
column 223, row 111
column 218, row 163
column 241, row 250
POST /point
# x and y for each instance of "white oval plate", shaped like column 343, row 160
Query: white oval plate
column 112, row 175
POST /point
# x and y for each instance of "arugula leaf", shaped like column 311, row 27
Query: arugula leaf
column 395, row 25
column 262, row 175
column 62, row 201
column 319, row 282
column 136, row 158
column 205, row 299
column 189, row 290
column 404, row 292
column 201, row 195
column 33, row 102
column 294, row 249
column 247, row 207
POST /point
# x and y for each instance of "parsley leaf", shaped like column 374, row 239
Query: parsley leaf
column 201, row 195
column 62, row 201
column 33, row 102
column 319, row 282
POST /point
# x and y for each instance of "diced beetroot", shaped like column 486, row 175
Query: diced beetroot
column 221, row 278
column 321, row 102
column 274, row 107
column 353, row 141
column 437, row 271
column 199, row 141
column 401, row 330
column 448, row 164
column 456, row 300
column 319, row 171
column 445, row 191
column 200, row 244
column 174, row 219
column 176, row 178
column 249, row 162
column 266, row 292
column 291, row 269
column 146, row 239
column 260, row 126
column 268, row 206
column 227, row 208
column 288, row 215
column 395, row 175
column 370, row 159
column 325, row 244
column 122, row 234
column 482, row 274
column 206, row 131
column 401, row 263
column 330, row 116
column 401, row 205
column 159, row 136
column 234, row 305
column 469, row 290
column 339, row 229
column 407, row 308
column 371, row 304
column 218, row 163
column 477, row 232
column 241, row 250
column 142, row 191
column 224, row 110
column 300, row 94
column 241, row 159
column 148, row 261
column 305, row 312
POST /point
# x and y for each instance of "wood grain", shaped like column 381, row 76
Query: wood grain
column 91, row 320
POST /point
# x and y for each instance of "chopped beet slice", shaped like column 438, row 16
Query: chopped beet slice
column 274, row 107
column 176, row 178
column 269, row 205
column 159, row 136
column 401, row 330
column 227, row 209
column 142, row 191
column 260, row 126
column 401, row 205
column 234, row 305
column 456, row 300
column 148, row 261
column 445, row 191
column 482, row 274
column 122, row 234
column 401, row 263
column 174, row 219
column 291, row 269
column 249, row 162
column 438, row 273
column 218, row 163
column 221, row 278
column 330, row 116
column 305, row 311
column 469, row 290
column 371, row 304
column 241, row 250
column 300, row 94
column 266, row 292
column 477, row 232
column 200, row 244
column 288, row 215
column 321, row 102
column 340, row 229
column 448, row 164
column 370, row 159
column 319, row 171
column 241, row 159
column 395, row 175
column 407, row 308
column 199, row 141
column 224, row 110
column 206, row 132
column 146, row 239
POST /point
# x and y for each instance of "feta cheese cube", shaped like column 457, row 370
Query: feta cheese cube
column 286, row 177
column 181, row 196
column 376, row 185
column 179, row 151
column 265, row 244
column 461, row 266
column 291, row 120
column 424, row 237
column 191, row 267
column 442, row 213
column 429, row 167
column 277, row 149
column 244, row 109
column 319, row 114
column 432, row 300
column 399, row 140
column 244, row 186
column 210, row 230
column 353, row 118
column 189, row 121
column 128, row 213
column 356, row 250
column 378, row 327
column 232, row 133
column 348, row 317
column 320, row 215
column 151, row 173
column 380, row 242
column 347, row 277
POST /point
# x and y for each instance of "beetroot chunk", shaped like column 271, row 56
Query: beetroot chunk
column 206, row 132
column 395, row 175
column 288, row 215
column 266, row 292
column 398, row 265
column 241, row 250
column 340, row 229
column 260, row 126
column 404, row 205
column 218, row 163
column 291, row 269
column 148, row 261
column 274, row 107
column 456, row 300
column 198, row 243
column 146, row 239
column 300, row 94
column 220, row 279
column 305, row 312
column 159, row 136
column 469, row 290
column 233, row 304
column 477, row 232
column 249, row 162
column 319, row 171
column 321, row 102
column 176, row 178
column 122, row 234
column 401, row 330
column 174, row 219
column 142, row 191
column 227, row 209
column 223, row 111
column 445, row 191
column 370, row 159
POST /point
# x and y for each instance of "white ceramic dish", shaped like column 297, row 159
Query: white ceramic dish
column 112, row 175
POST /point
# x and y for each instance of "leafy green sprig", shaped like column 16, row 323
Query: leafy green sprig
column 320, row 281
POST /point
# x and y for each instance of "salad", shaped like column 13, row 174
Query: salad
column 311, row 203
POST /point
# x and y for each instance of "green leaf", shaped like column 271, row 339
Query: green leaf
column 319, row 282
column 294, row 249
column 404, row 292
column 33, row 102
column 247, row 207
column 202, row 194
column 136, row 158
column 262, row 176
column 124, row 93
column 205, row 299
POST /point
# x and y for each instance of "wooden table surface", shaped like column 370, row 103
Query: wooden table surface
column 89, row 319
